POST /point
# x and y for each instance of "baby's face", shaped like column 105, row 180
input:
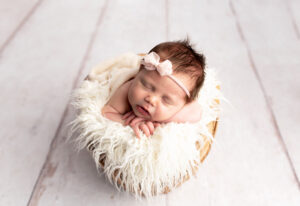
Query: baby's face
column 155, row 97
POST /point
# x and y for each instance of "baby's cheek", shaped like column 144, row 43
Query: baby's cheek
column 131, row 96
column 135, row 95
column 174, row 111
column 163, row 114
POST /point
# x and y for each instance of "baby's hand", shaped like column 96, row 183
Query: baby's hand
column 128, row 117
column 146, row 126
column 138, row 123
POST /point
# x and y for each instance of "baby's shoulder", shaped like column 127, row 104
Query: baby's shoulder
column 119, row 100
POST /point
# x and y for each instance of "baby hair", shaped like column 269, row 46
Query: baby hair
column 186, row 60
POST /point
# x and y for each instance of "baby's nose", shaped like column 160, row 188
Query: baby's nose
column 151, row 99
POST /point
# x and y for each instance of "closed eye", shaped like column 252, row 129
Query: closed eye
column 147, row 85
column 167, row 100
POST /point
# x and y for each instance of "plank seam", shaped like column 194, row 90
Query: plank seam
column 270, row 110
column 20, row 26
column 37, row 189
column 291, row 14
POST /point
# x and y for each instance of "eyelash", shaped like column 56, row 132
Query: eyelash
column 166, row 100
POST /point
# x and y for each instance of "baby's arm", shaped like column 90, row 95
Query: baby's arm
column 111, row 113
column 118, row 104
column 191, row 112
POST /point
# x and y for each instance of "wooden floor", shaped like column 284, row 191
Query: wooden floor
column 48, row 46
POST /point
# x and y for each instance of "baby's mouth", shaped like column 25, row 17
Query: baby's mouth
column 142, row 110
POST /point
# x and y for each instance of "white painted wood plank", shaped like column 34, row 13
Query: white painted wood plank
column 127, row 26
column 12, row 14
column 144, row 28
column 247, row 164
column 276, row 53
column 37, row 72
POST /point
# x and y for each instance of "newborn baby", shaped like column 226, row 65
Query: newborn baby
column 164, row 90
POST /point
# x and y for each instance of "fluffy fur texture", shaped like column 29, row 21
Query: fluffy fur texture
column 143, row 166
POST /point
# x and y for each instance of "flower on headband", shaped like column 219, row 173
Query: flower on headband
column 151, row 62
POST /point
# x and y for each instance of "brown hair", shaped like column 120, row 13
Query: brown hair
column 187, row 60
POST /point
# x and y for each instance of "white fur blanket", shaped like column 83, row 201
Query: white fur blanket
column 148, row 165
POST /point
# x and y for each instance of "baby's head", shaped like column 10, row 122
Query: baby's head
column 158, row 95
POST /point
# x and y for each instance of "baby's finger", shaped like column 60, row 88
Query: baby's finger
column 156, row 124
column 129, row 119
column 136, row 120
column 145, row 129
column 150, row 126
column 127, row 115
column 137, row 131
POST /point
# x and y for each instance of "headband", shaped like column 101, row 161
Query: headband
column 151, row 62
